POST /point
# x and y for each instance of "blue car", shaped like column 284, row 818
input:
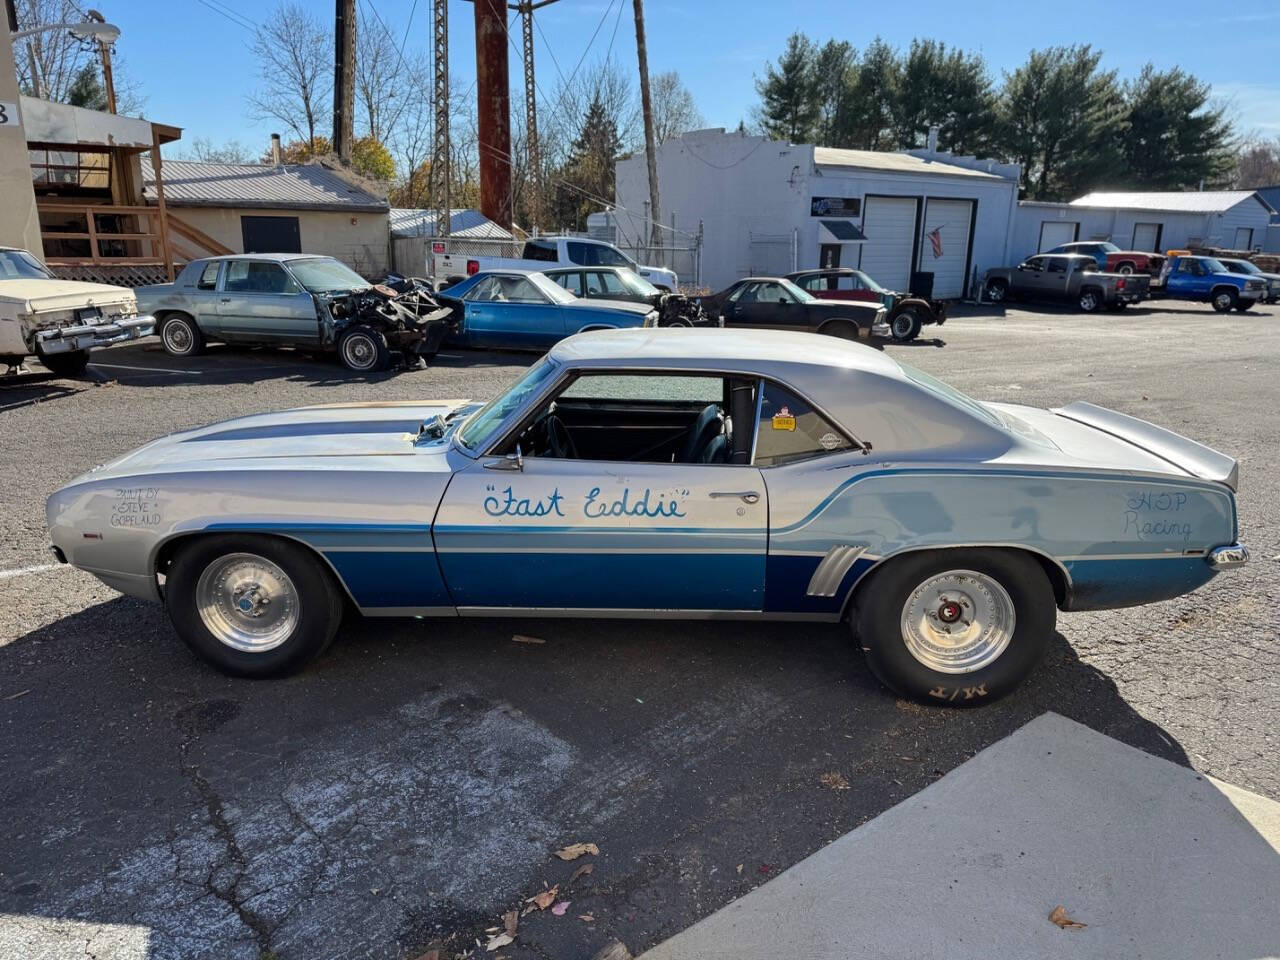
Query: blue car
column 525, row 309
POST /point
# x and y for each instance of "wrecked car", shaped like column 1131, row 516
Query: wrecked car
column 59, row 321
column 618, row 283
column 299, row 300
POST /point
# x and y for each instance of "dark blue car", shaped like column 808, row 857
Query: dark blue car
column 525, row 309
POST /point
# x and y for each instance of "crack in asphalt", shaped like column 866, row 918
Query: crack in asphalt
column 229, row 894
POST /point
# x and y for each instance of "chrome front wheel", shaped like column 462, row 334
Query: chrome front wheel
column 958, row 621
column 247, row 602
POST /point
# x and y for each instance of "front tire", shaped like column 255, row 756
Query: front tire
column 959, row 627
column 180, row 336
column 252, row 606
column 1223, row 300
column 364, row 350
column 997, row 291
column 1090, row 300
column 905, row 326
column 69, row 364
column 841, row 329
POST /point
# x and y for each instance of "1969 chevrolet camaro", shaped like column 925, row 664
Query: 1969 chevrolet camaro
column 667, row 473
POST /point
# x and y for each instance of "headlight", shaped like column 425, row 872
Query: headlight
column 651, row 318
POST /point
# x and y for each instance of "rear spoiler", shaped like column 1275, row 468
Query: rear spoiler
column 1195, row 458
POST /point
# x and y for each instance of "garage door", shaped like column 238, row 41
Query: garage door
column 944, row 245
column 1054, row 232
column 890, row 227
column 1146, row 237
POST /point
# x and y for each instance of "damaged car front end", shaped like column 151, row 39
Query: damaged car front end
column 362, row 325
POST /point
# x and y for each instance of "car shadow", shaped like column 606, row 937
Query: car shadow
column 414, row 778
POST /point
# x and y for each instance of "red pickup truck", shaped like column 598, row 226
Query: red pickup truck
column 1111, row 259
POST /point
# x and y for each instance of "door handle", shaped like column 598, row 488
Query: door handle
column 746, row 496
column 224, row 299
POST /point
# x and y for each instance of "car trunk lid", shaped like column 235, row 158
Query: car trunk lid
column 1187, row 455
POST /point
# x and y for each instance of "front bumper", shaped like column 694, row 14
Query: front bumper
column 1232, row 555
column 85, row 336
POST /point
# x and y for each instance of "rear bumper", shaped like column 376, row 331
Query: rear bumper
column 88, row 335
column 1232, row 555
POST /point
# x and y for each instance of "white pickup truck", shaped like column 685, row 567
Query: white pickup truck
column 542, row 253
column 60, row 320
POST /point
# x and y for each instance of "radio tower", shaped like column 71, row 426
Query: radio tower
column 439, row 172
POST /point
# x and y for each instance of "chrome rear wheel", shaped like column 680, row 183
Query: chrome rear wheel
column 958, row 621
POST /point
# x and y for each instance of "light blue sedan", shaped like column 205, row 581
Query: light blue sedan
column 526, row 309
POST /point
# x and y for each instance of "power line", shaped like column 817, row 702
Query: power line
column 239, row 19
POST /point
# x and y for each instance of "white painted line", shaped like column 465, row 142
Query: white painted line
column 122, row 366
column 28, row 571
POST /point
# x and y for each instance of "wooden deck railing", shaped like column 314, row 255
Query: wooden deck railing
column 125, row 244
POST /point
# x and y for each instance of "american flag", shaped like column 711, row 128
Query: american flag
column 935, row 241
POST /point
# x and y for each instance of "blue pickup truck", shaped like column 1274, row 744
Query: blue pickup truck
column 1189, row 277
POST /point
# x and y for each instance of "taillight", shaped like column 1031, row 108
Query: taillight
column 1120, row 284
column 437, row 248
column 473, row 266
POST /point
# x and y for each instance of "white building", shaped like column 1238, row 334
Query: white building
column 1231, row 219
column 767, row 208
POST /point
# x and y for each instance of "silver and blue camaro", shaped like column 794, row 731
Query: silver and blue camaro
column 675, row 473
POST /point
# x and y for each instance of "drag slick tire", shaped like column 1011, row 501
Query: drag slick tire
column 252, row 606
column 959, row 627
column 905, row 326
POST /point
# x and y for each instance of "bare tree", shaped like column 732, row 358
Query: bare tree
column 295, row 69
column 1258, row 163
column 49, row 63
column 674, row 111
column 204, row 150
column 387, row 81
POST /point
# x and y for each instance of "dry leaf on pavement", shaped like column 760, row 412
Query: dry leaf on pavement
column 522, row 639
column 501, row 940
column 574, row 850
column 582, row 870
column 545, row 898
column 560, row 908
column 835, row 781
column 511, row 920
column 587, row 917
column 740, row 866
column 1059, row 916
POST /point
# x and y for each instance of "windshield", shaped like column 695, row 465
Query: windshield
column 475, row 433
column 553, row 290
column 1242, row 266
column 801, row 296
column 20, row 265
column 870, row 284
column 1212, row 265
column 637, row 284
column 324, row 275
column 1108, row 246
column 948, row 393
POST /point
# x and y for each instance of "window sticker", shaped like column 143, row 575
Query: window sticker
column 829, row 441
column 783, row 420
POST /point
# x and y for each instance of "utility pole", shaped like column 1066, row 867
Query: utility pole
column 438, row 174
column 344, row 76
column 104, row 48
column 531, row 108
column 493, row 111
column 650, row 148
column 32, row 67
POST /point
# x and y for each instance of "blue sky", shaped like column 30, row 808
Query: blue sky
column 195, row 68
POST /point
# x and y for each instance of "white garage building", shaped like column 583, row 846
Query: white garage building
column 1232, row 219
column 767, row 208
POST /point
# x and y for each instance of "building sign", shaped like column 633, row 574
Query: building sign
column 8, row 114
column 835, row 206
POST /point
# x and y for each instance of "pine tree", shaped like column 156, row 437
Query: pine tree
column 790, row 108
column 589, row 173
column 1174, row 139
column 86, row 90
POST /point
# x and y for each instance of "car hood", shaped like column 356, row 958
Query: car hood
column 626, row 306
column 62, row 294
column 331, row 437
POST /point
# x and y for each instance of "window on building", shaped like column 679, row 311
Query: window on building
column 82, row 169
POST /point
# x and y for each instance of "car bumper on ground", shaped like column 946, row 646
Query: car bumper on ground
column 1232, row 555
column 88, row 335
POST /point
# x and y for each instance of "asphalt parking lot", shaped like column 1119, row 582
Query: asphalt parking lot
column 410, row 787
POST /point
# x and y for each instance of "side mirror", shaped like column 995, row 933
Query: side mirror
column 1022, row 266
column 512, row 462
